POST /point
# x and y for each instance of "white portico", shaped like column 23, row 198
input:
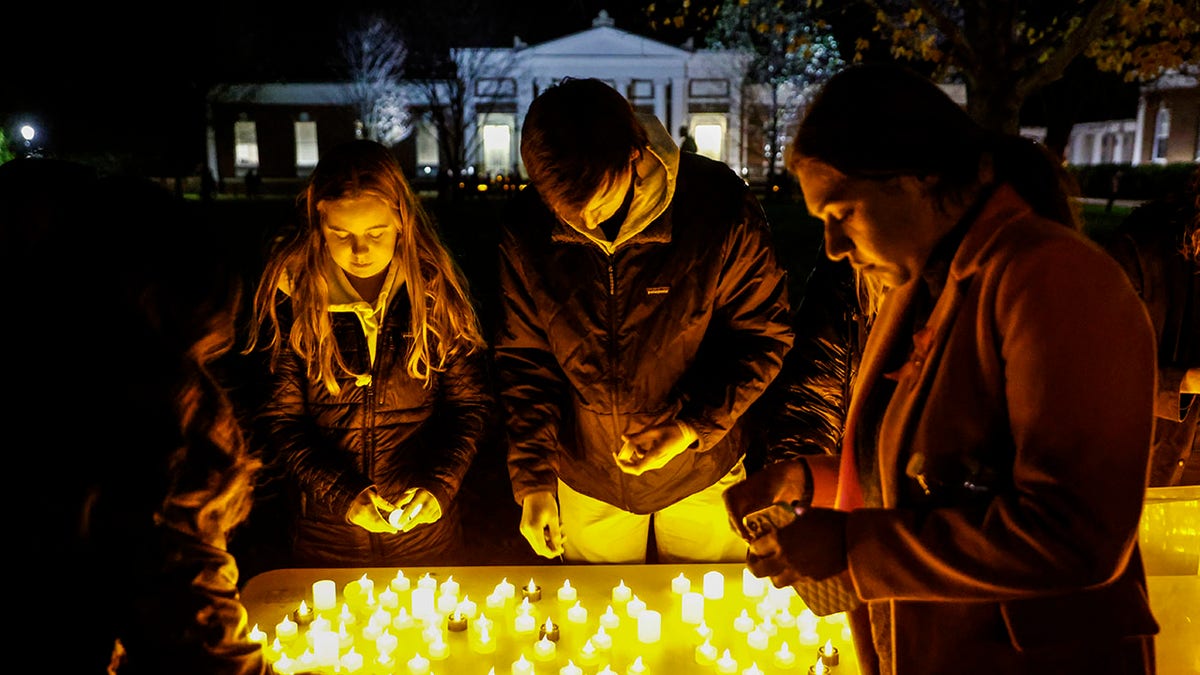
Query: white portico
column 701, row 90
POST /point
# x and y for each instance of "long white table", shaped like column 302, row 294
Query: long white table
column 271, row 596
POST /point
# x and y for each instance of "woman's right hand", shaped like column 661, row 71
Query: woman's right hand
column 369, row 511
column 779, row 482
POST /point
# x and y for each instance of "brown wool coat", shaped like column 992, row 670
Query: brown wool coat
column 1036, row 387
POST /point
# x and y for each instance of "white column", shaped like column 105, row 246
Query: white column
column 660, row 105
column 1139, row 131
column 678, row 101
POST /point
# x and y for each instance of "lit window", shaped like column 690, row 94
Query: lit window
column 709, row 131
column 1162, row 131
column 306, row 146
column 245, row 144
column 497, row 134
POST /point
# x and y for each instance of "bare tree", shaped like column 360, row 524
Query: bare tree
column 375, row 51
column 459, row 78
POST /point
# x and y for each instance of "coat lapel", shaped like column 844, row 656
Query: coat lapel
column 884, row 334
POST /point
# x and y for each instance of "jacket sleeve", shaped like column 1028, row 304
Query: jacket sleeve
column 1138, row 261
column 297, row 447
column 533, row 388
column 462, row 420
column 805, row 407
column 750, row 335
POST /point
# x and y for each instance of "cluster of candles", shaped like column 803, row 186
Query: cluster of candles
column 415, row 628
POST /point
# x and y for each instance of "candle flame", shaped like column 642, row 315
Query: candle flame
column 549, row 624
column 532, row 586
column 819, row 667
column 828, row 648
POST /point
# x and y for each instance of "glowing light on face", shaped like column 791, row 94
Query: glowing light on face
column 360, row 233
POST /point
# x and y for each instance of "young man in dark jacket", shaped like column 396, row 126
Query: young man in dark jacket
column 643, row 311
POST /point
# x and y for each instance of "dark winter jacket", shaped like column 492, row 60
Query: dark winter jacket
column 683, row 317
column 388, row 430
column 803, row 412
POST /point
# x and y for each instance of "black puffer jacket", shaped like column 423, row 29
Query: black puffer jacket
column 1149, row 244
column 391, row 432
column 804, row 410
column 684, row 320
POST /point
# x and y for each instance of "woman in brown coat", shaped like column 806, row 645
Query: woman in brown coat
column 984, row 510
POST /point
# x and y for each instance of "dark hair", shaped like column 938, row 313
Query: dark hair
column 879, row 121
column 577, row 134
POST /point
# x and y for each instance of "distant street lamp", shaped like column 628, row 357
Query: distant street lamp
column 28, row 132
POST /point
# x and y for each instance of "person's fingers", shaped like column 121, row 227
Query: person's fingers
column 409, row 517
column 534, row 531
column 627, row 454
column 765, row 566
column 785, row 578
column 554, row 538
column 382, row 504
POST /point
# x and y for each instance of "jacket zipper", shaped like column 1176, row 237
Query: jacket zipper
column 613, row 360
column 368, row 431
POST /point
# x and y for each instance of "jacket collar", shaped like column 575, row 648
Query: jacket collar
column 977, row 244
column 653, row 189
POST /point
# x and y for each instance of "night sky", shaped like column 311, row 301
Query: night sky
column 114, row 77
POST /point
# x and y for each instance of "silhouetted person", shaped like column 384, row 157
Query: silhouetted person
column 253, row 183
column 688, row 143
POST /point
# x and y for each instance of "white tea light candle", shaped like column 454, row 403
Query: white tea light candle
column 649, row 628
column 324, row 595
column 714, row 585
column 692, row 608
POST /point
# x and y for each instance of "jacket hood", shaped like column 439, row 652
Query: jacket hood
column 343, row 298
column 342, row 295
column 654, row 186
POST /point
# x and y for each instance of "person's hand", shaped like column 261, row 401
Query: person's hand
column 368, row 511
column 765, row 558
column 778, row 482
column 812, row 546
column 416, row 506
column 652, row 448
column 540, row 524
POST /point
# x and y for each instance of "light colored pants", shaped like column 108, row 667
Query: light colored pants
column 695, row 529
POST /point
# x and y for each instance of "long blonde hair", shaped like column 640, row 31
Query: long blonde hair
column 443, row 320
